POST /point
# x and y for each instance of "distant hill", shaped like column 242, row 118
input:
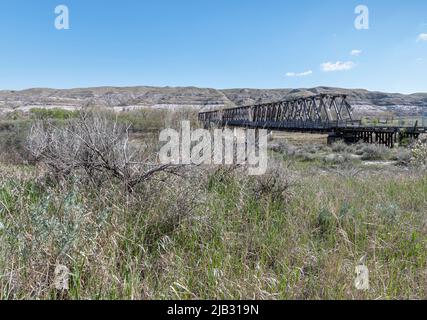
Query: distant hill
column 127, row 98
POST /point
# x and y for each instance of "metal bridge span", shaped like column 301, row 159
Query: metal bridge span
column 323, row 113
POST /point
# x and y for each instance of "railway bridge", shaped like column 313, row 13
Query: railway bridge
column 331, row 114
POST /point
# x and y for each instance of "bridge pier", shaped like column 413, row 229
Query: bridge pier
column 389, row 137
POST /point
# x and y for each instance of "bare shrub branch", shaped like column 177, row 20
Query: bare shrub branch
column 96, row 144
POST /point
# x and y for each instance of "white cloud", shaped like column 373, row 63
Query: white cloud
column 422, row 37
column 356, row 52
column 301, row 74
column 337, row 66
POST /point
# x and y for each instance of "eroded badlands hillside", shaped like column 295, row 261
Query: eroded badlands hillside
column 127, row 98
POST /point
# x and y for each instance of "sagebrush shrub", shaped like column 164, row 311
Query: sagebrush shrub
column 419, row 153
column 375, row 152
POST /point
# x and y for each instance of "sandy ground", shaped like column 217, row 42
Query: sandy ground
column 297, row 138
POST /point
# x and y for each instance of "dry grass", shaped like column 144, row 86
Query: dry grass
column 214, row 233
column 297, row 138
column 226, row 236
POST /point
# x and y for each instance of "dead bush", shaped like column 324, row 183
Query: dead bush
column 94, row 144
column 274, row 184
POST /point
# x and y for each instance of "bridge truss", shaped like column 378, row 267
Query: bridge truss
column 327, row 113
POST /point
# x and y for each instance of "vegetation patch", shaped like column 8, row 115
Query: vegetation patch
column 297, row 232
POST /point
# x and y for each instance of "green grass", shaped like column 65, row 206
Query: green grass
column 216, row 235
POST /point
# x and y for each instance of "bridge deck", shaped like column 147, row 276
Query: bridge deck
column 318, row 127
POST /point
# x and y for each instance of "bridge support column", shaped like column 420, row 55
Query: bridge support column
column 387, row 138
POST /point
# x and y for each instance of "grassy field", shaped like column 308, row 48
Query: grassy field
column 297, row 232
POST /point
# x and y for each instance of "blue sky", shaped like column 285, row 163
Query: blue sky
column 216, row 43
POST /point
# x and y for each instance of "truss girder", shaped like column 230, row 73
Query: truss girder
column 323, row 108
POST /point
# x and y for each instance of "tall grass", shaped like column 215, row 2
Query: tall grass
column 215, row 234
column 297, row 232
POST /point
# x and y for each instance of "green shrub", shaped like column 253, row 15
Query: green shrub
column 55, row 113
column 157, row 119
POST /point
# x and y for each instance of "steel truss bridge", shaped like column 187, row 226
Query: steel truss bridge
column 323, row 113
